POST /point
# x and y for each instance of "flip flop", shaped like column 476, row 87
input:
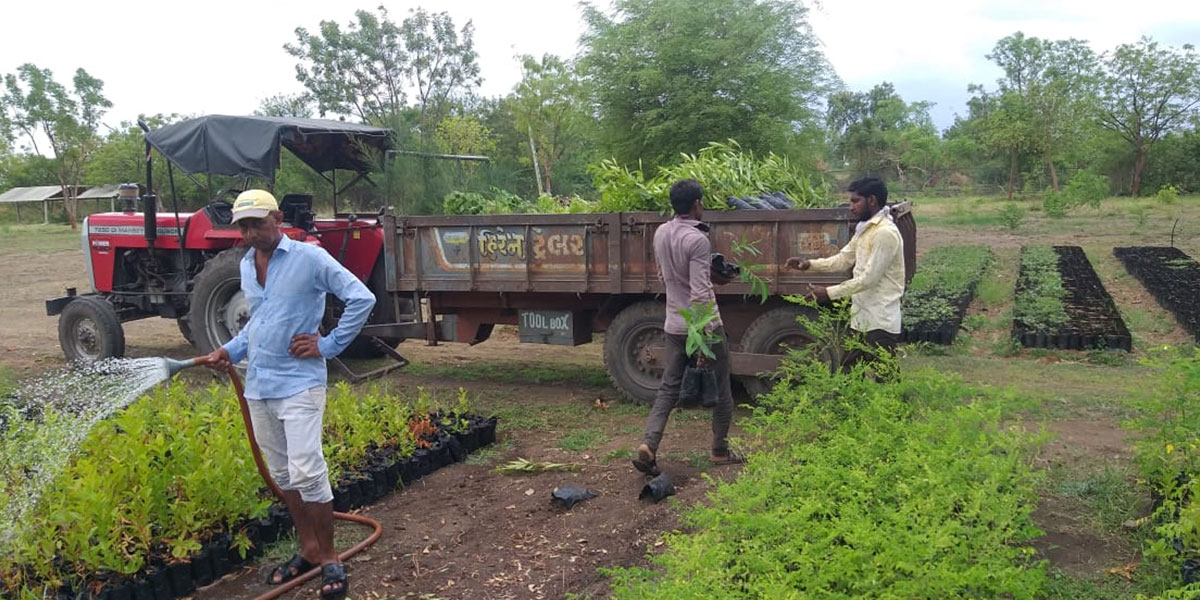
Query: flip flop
column 293, row 568
column 333, row 575
column 646, row 462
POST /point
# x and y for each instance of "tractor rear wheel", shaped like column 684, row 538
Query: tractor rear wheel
column 89, row 330
column 218, row 310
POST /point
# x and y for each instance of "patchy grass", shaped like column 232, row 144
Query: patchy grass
column 621, row 454
column 698, row 459
column 1108, row 493
column 8, row 380
column 486, row 457
column 691, row 414
column 993, row 291
column 1060, row 379
column 582, row 439
column 516, row 373
column 37, row 239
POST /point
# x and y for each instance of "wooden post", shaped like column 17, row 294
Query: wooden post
column 45, row 212
column 18, row 205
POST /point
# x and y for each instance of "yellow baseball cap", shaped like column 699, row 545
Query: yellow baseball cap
column 254, row 204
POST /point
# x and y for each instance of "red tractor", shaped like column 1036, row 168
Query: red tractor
column 184, row 265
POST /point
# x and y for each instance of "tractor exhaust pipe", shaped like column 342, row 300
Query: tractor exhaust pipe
column 149, row 199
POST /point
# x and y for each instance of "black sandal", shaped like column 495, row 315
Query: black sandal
column 333, row 575
column 646, row 462
column 290, row 570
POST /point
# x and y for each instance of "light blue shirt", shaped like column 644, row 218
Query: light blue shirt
column 293, row 302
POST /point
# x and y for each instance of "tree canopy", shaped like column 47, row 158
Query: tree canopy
column 670, row 76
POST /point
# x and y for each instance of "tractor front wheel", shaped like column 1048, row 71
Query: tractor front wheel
column 89, row 330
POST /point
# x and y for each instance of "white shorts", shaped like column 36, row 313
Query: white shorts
column 288, row 431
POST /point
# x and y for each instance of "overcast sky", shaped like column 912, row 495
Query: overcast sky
column 225, row 56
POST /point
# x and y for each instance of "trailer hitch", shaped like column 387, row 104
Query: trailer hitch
column 400, row 362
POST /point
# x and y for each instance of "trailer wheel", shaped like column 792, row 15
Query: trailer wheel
column 634, row 330
column 773, row 332
column 89, row 330
column 218, row 310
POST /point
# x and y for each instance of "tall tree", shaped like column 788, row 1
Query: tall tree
column 286, row 105
column 878, row 132
column 35, row 105
column 1148, row 91
column 1054, row 83
column 442, row 64
column 367, row 69
column 121, row 158
column 550, row 106
column 358, row 71
column 670, row 76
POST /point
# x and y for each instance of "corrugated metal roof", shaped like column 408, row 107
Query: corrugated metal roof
column 100, row 191
column 39, row 193
column 32, row 194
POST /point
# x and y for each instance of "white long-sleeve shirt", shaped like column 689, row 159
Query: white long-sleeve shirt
column 877, row 284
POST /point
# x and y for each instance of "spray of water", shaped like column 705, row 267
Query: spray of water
column 43, row 424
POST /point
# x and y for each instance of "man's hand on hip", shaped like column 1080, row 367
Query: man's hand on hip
column 304, row 345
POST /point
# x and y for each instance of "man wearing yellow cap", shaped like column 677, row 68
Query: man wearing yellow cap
column 285, row 283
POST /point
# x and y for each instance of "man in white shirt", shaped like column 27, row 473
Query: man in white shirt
column 876, row 252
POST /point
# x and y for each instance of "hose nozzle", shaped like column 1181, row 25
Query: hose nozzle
column 175, row 366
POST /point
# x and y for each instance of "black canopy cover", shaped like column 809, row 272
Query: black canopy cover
column 249, row 146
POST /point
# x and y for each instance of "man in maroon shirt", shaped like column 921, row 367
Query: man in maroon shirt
column 684, row 255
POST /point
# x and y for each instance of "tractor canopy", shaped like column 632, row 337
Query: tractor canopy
column 249, row 146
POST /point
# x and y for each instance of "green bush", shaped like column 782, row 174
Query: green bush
column 475, row 203
column 1055, row 204
column 1167, row 194
column 1012, row 215
column 1167, row 453
column 1086, row 188
column 910, row 489
column 722, row 168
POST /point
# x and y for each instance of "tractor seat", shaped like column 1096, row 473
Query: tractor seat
column 220, row 212
column 297, row 210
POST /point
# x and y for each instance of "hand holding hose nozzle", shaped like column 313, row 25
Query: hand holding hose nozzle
column 217, row 360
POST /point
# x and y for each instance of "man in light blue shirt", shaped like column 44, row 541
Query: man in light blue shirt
column 285, row 282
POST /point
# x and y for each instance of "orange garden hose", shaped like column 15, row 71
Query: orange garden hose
column 266, row 475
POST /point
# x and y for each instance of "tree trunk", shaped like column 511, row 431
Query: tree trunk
column 1053, row 174
column 1012, row 173
column 537, row 173
column 72, row 206
column 547, row 165
column 1139, row 163
column 69, row 203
